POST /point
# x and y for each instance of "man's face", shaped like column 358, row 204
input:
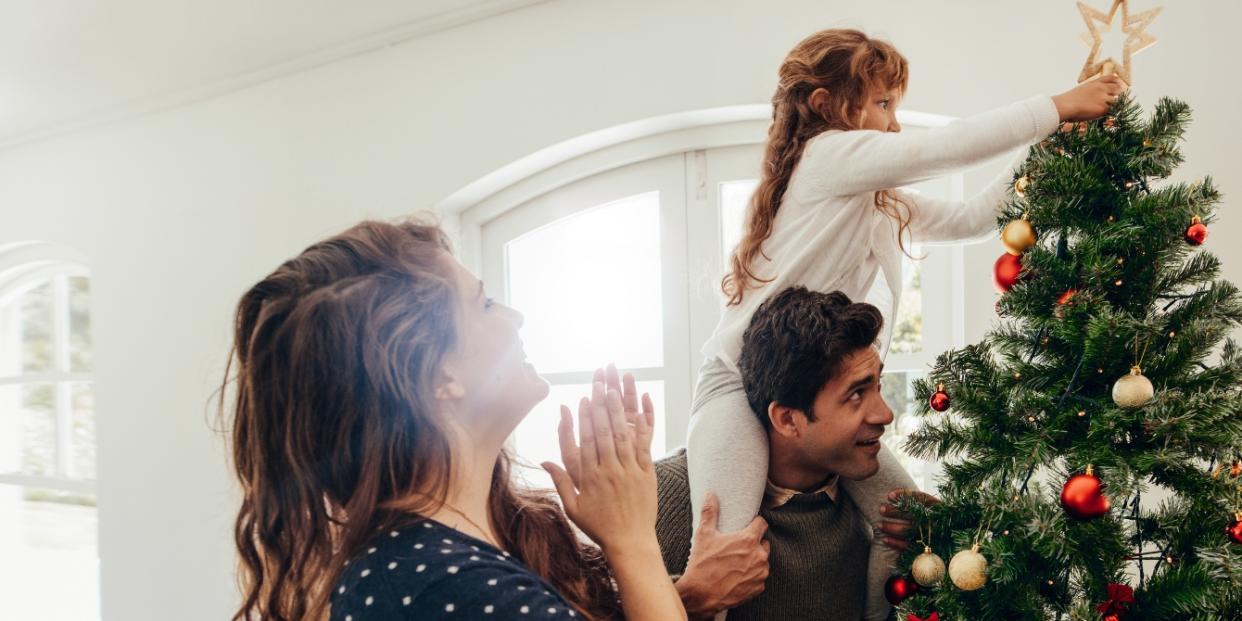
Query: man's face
column 850, row 416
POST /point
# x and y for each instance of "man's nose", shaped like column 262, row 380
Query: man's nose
column 881, row 415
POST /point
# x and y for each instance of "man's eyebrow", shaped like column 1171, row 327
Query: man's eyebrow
column 860, row 382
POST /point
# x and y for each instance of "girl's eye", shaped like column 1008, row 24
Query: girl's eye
column 884, row 104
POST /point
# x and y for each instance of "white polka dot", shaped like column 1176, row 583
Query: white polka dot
column 452, row 569
column 426, row 524
column 406, row 600
column 370, row 550
column 491, row 582
column 370, row 600
column 475, row 548
column 488, row 609
column 392, row 565
column 418, row 546
column 573, row 614
column 393, row 534
column 449, row 608
column 521, row 587
column 366, row 572
column 551, row 610
column 524, row 609
column 447, row 540
column 349, row 618
column 420, row 568
column 474, row 558
column 341, row 590
column 504, row 553
column 499, row 557
column 446, row 551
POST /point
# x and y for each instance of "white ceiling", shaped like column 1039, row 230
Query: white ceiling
column 66, row 65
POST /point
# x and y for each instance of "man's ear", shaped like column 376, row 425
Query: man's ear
column 449, row 387
column 787, row 421
column 819, row 101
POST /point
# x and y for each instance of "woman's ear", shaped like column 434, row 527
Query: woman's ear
column 819, row 101
column 449, row 387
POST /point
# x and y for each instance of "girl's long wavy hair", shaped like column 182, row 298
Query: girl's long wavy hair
column 850, row 66
column 336, row 433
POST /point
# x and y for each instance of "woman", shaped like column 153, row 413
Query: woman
column 376, row 384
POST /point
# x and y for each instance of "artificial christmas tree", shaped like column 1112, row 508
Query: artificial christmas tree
column 1110, row 377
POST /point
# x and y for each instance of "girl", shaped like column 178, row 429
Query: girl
column 376, row 384
column 827, row 215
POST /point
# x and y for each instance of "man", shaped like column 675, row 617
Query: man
column 812, row 376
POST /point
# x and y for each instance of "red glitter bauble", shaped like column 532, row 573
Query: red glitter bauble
column 1235, row 529
column 1196, row 234
column 898, row 588
column 1006, row 270
column 1083, row 497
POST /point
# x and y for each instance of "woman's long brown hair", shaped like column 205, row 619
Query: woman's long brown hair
column 334, row 425
column 850, row 66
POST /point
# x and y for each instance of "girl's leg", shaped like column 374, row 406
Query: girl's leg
column 869, row 494
column 727, row 454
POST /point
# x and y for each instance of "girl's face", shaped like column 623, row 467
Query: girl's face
column 880, row 111
column 487, row 379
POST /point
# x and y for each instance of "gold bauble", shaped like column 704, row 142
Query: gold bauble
column 1020, row 186
column 969, row 569
column 928, row 568
column 1018, row 236
column 1133, row 390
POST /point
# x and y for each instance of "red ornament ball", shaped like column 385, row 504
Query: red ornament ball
column 934, row 616
column 899, row 588
column 939, row 400
column 1235, row 529
column 1083, row 497
column 1196, row 234
column 1006, row 270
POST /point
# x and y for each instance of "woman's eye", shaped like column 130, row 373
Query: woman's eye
column 884, row 104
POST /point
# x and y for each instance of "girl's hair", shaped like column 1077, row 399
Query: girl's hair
column 336, row 433
column 851, row 67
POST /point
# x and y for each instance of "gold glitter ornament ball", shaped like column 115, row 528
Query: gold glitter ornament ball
column 1133, row 390
column 969, row 569
column 928, row 568
column 1018, row 236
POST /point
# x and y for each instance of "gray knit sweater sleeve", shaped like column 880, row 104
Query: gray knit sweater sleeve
column 673, row 519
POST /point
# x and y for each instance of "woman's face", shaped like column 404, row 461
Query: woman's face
column 488, row 379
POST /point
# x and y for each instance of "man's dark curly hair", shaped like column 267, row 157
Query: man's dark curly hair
column 796, row 342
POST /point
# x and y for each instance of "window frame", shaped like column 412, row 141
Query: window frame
column 24, row 267
column 693, row 135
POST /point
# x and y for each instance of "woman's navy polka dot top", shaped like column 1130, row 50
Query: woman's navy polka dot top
column 429, row 571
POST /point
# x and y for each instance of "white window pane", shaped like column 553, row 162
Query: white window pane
column 82, row 400
column 79, row 325
column 35, row 324
column 898, row 392
column 536, row 441
column 589, row 287
column 908, row 331
column 28, row 423
column 49, row 543
column 734, row 198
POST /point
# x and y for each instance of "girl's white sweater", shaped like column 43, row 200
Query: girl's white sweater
column 828, row 234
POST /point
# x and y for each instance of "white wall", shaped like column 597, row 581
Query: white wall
column 179, row 212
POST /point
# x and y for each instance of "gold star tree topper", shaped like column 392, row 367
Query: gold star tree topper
column 1136, row 40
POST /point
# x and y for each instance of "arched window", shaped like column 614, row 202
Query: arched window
column 613, row 246
column 48, row 519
